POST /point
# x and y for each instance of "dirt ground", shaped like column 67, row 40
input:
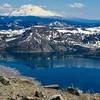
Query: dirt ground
column 22, row 88
column 13, row 86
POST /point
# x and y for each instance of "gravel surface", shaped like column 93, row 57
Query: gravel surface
column 7, row 71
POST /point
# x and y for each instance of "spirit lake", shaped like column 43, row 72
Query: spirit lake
column 55, row 68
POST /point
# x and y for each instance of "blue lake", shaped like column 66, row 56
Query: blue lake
column 65, row 70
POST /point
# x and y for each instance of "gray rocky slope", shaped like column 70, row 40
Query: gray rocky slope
column 51, row 38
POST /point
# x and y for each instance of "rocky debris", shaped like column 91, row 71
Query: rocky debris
column 8, row 72
column 28, row 98
column 11, row 98
column 39, row 94
column 25, row 98
column 21, row 89
column 56, row 98
column 4, row 80
column 74, row 91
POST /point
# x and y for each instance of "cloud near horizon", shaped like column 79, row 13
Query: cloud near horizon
column 5, row 8
column 77, row 5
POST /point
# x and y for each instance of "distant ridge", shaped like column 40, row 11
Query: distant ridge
column 11, row 22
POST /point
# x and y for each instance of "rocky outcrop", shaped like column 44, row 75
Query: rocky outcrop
column 74, row 91
column 22, row 88
column 4, row 80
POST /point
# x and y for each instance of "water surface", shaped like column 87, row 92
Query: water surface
column 55, row 68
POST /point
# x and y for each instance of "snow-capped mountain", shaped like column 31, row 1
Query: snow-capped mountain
column 48, row 34
column 32, row 10
column 51, row 38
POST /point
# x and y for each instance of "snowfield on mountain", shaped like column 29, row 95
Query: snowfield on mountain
column 50, row 38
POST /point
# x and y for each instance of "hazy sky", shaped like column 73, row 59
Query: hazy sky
column 69, row 8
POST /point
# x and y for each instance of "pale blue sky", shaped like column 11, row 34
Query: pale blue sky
column 69, row 8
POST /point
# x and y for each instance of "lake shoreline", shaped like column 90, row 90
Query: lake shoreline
column 18, row 87
column 9, row 72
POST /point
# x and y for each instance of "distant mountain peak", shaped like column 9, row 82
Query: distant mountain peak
column 32, row 10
